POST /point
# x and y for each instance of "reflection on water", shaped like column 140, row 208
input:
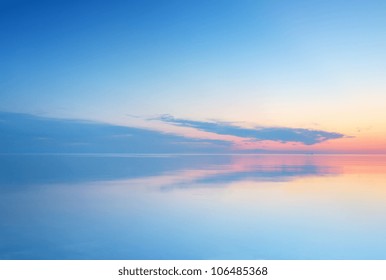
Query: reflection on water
column 192, row 207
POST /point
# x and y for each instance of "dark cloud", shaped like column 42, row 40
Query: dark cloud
column 279, row 134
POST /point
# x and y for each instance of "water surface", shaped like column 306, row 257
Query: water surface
column 192, row 207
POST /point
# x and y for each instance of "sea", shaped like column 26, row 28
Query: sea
column 192, row 207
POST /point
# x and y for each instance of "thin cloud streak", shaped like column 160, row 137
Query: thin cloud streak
column 277, row 134
column 24, row 133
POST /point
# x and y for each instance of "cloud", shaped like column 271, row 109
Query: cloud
column 23, row 133
column 278, row 134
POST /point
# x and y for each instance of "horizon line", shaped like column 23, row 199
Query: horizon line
column 194, row 154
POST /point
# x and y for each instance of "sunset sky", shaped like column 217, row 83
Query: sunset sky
column 260, row 75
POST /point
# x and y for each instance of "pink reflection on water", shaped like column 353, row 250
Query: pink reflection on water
column 242, row 167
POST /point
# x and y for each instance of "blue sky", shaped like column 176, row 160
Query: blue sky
column 299, row 64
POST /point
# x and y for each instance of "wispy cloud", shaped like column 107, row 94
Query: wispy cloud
column 23, row 133
column 278, row 134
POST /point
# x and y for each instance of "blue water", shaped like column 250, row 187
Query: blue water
column 192, row 207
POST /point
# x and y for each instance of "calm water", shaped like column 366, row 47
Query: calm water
column 192, row 207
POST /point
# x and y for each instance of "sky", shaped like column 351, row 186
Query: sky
column 259, row 75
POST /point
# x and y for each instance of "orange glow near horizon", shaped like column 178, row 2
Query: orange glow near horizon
column 361, row 139
column 343, row 145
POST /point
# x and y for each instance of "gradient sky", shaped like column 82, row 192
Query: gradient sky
column 315, row 65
